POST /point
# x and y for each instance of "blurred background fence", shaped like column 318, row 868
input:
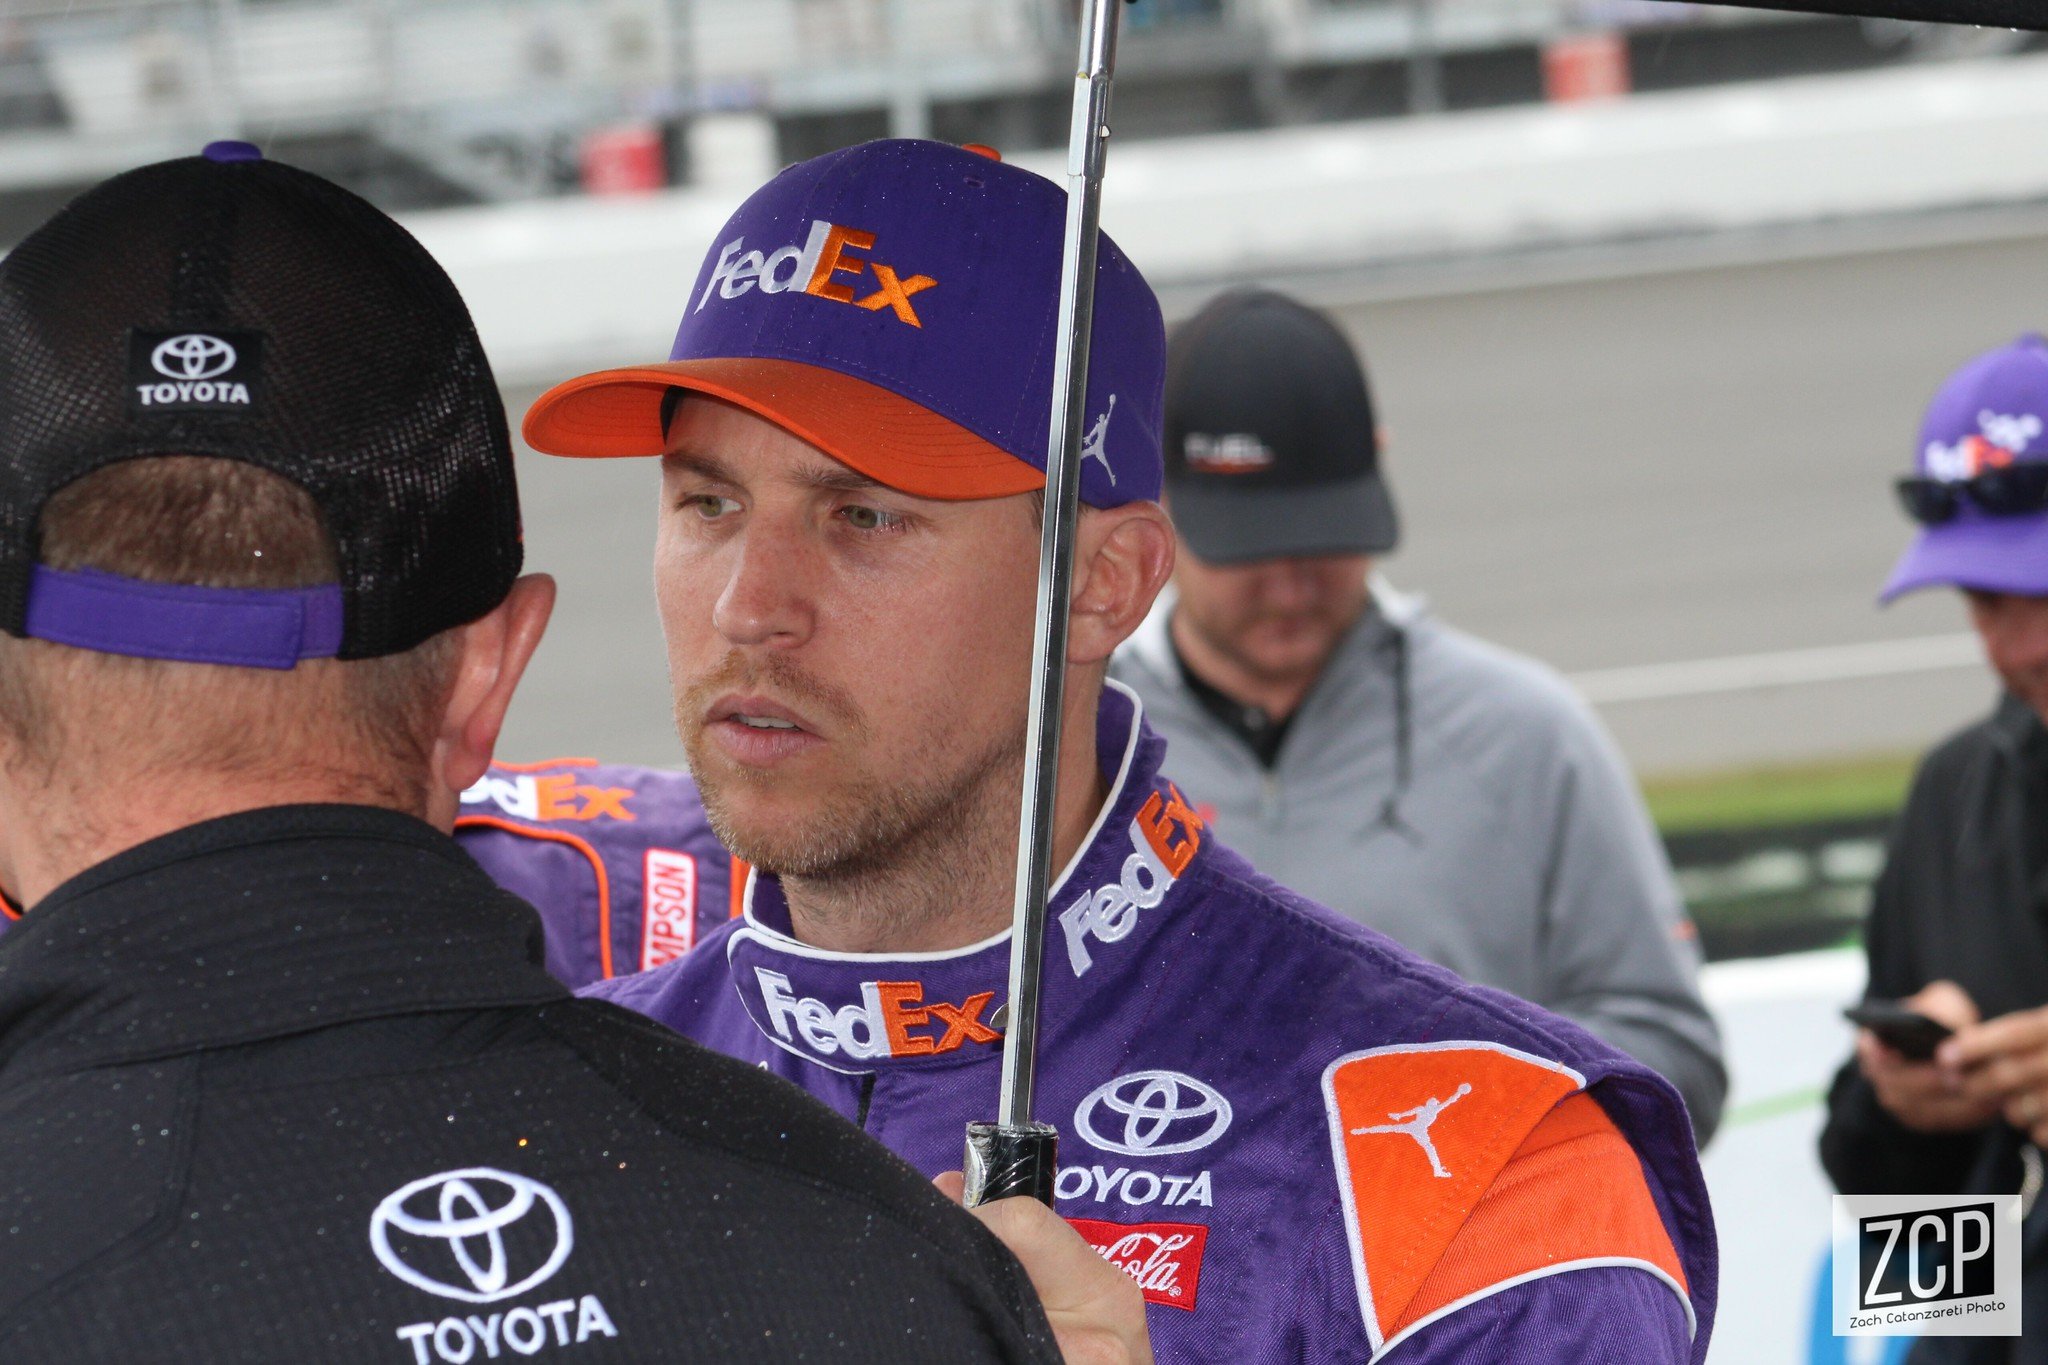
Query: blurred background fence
column 453, row 101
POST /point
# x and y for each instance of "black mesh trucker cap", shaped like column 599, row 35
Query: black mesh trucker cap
column 1271, row 445
column 223, row 305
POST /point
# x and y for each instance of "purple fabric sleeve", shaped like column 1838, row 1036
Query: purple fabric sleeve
column 1602, row 1315
column 620, row 861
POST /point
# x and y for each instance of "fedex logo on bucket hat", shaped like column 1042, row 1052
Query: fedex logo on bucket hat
column 896, row 305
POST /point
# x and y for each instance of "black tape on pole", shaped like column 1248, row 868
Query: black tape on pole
column 2028, row 14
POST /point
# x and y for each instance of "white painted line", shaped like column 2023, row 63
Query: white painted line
column 1824, row 974
column 1784, row 668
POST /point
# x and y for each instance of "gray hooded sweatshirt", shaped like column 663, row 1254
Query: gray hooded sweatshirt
column 1513, row 849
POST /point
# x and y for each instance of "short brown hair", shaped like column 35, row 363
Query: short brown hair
column 216, row 523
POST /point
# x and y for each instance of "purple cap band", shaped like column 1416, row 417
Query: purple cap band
column 227, row 150
column 246, row 627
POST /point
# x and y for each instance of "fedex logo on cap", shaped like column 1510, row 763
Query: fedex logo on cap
column 815, row 267
column 2004, row 436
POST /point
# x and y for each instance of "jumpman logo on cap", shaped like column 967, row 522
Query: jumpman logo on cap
column 1416, row 1124
column 1093, row 444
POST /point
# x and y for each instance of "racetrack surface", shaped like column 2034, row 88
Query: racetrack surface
column 1657, row 469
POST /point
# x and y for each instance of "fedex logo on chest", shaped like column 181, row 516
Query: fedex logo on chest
column 891, row 1019
column 550, row 796
column 825, row 265
column 1164, row 838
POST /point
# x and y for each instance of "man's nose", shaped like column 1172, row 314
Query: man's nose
column 1288, row 584
column 768, row 598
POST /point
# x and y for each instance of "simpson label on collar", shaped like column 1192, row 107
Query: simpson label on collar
column 668, row 919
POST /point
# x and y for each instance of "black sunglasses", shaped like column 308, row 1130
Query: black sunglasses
column 2013, row 491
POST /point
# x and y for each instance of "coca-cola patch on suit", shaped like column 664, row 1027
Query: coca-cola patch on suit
column 1164, row 1258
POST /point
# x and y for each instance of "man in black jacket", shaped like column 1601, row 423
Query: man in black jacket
column 281, row 1075
column 1959, row 924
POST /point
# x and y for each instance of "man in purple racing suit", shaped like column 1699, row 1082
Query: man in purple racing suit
column 1303, row 1142
column 621, row 862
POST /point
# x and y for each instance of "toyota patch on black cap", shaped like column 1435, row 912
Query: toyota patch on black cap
column 231, row 307
column 194, row 371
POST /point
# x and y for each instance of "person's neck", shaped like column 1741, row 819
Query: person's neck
column 49, row 837
column 1279, row 697
column 957, row 886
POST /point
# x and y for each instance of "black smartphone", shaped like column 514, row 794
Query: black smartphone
column 1907, row 1032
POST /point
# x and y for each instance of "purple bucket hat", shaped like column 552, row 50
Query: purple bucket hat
column 1991, row 413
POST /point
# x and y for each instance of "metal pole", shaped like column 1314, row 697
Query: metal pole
column 1014, row 1155
column 1425, row 61
column 910, row 109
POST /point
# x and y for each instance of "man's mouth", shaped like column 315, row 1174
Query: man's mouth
column 758, row 732
column 755, row 712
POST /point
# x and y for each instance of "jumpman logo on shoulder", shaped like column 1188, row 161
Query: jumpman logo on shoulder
column 1416, row 1124
column 1094, row 443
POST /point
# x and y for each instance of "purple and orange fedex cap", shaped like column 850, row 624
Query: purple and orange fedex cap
column 1991, row 414
column 895, row 304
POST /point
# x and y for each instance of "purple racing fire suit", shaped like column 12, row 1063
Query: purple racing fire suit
column 1305, row 1143
column 621, row 862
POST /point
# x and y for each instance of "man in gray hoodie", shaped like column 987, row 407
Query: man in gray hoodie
column 1458, row 798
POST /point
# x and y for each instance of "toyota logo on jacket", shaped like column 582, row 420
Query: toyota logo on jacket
column 1303, row 1142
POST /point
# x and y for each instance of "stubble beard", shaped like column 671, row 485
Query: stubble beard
column 1227, row 639
column 921, row 842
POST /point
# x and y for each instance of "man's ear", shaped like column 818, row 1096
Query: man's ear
column 1124, row 557
column 495, row 649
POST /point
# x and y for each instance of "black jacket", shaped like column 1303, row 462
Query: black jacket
column 1962, row 897
column 293, row 1086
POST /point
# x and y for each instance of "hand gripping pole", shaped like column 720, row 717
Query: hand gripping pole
column 1014, row 1155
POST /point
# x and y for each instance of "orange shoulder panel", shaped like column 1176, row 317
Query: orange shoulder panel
column 1419, row 1133
column 1573, row 1195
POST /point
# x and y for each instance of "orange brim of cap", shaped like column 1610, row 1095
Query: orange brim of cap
column 863, row 426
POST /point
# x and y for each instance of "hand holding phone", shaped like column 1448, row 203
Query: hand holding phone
column 1907, row 1032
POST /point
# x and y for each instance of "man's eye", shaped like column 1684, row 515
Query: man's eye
column 709, row 506
column 869, row 518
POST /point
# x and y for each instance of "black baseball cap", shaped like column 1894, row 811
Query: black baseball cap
column 1272, row 450
column 228, row 306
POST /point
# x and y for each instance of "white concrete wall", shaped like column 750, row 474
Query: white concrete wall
column 564, row 283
